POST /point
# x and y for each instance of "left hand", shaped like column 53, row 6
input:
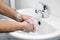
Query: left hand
column 23, row 18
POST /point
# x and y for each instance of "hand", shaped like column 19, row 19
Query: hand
column 27, row 27
column 23, row 18
column 25, row 24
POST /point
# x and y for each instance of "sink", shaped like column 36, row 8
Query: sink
column 47, row 29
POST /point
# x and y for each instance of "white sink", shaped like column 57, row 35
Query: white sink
column 49, row 27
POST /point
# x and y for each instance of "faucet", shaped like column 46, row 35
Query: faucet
column 44, row 12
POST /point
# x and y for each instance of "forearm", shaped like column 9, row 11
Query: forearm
column 6, row 26
column 7, row 11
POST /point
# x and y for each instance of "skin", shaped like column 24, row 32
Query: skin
column 9, row 26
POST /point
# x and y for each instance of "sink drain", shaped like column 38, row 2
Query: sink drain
column 39, row 23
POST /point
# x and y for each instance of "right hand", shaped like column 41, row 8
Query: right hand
column 27, row 27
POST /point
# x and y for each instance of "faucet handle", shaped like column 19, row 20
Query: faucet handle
column 36, row 11
column 44, row 12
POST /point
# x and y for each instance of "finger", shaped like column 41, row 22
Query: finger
column 26, row 31
column 26, row 17
column 33, row 28
column 19, row 19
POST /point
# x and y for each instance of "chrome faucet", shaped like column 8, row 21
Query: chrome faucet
column 44, row 11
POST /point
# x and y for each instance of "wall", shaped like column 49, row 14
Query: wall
column 20, row 4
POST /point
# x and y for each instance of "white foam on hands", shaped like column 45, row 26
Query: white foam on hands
column 35, row 23
column 31, row 21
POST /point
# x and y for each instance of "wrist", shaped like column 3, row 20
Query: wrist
column 19, row 25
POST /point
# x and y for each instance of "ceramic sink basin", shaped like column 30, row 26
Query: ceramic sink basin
column 47, row 29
